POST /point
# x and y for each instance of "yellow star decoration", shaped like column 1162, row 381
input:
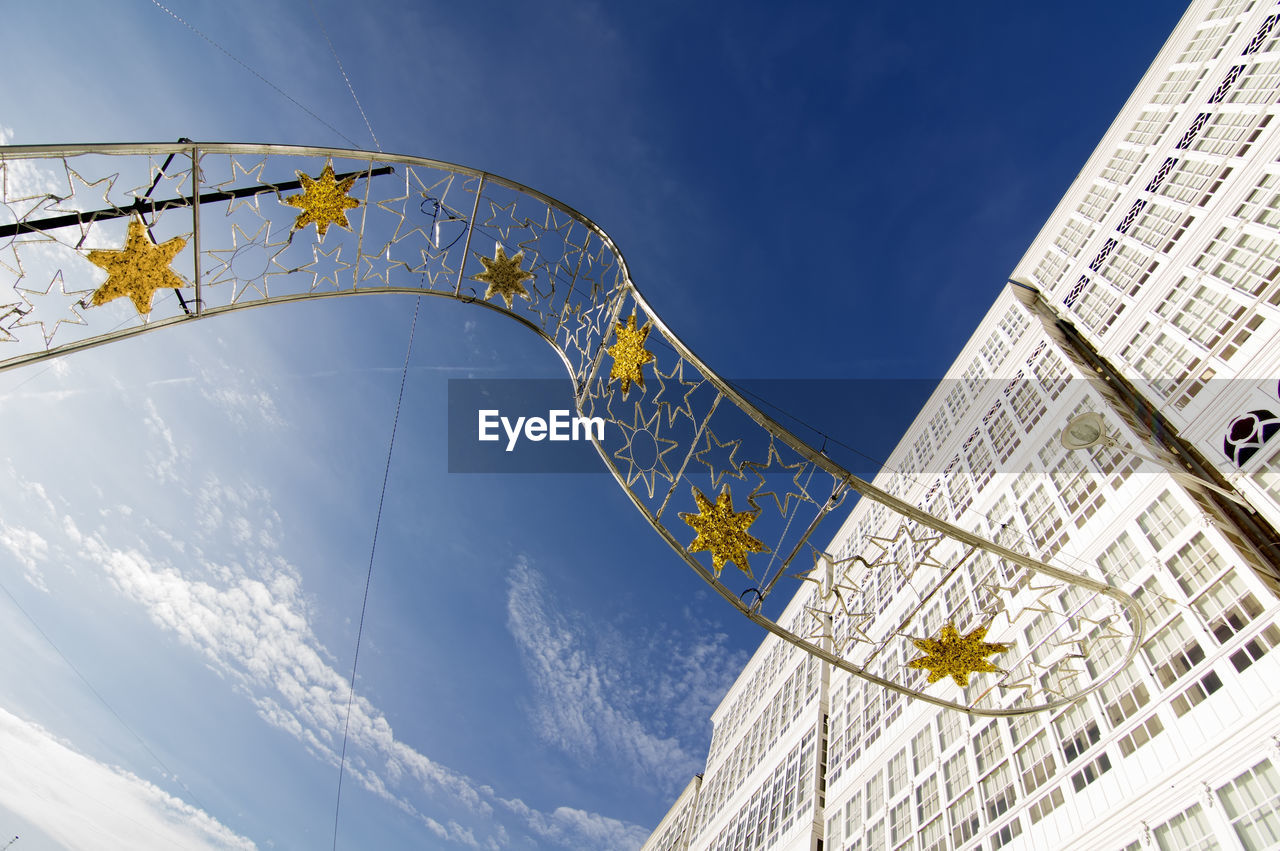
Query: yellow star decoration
column 951, row 655
column 324, row 201
column 723, row 531
column 504, row 276
column 629, row 354
column 137, row 270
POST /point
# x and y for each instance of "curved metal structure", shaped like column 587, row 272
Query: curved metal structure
column 99, row 243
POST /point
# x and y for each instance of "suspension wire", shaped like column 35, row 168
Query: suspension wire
column 881, row 463
column 246, row 67
column 386, row 470
column 345, row 78
column 404, row 372
column 377, row 523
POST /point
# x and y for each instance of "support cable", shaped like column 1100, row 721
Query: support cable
column 386, row 473
column 346, row 79
column 246, row 67
column 386, row 470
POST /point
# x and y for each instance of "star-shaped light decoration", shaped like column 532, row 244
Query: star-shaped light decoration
column 504, row 276
column 1060, row 680
column 504, row 224
column 139, row 269
column 911, row 541
column 250, row 262
column 718, row 464
column 636, row 452
column 82, row 195
column 629, row 354
column 956, row 656
column 47, row 308
column 324, row 201
column 822, row 625
column 772, row 465
column 723, row 531
column 1010, row 603
column 833, row 579
column 677, row 394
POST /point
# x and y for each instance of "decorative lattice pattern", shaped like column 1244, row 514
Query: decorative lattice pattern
column 101, row 244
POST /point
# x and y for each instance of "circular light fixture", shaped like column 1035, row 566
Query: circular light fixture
column 1084, row 431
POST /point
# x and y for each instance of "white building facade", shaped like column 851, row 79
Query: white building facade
column 1152, row 296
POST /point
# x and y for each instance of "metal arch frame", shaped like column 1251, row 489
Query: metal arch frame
column 614, row 302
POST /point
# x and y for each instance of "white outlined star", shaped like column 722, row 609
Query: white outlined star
column 636, row 471
column 773, row 463
column 50, row 309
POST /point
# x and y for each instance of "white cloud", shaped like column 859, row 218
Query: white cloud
column 166, row 458
column 239, row 395
column 579, row 829
column 251, row 623
column 254, row 629
column 82, row 803
column 29, row 548
column 592, row 685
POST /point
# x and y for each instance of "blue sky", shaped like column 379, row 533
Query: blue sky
column 817, row 192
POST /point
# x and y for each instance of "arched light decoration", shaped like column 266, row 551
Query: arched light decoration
column 141, row 237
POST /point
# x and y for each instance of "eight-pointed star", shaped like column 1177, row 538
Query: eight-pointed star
column 139, row 269
column 956, row 656
column 723, row 531
column 504, row 276
column 629, row 354
column 324, row 201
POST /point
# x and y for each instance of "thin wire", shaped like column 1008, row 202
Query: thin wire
column 386, row 473
column 347, row 79
column 246, row 67
column 386, row 470
column 99, row 696
column 882, row 464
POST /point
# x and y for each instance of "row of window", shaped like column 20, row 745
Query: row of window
column 797, row 694
column 1251, row 804
column 782, row 801
column 675, row 836
column 1181, row 184
column 742, row 710
column 1206, row 583
column 1197, row 571
column 991, row 358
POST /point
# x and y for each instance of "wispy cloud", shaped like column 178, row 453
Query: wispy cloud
column 240, row 395
column 580, row 829
column 593, row 685
column 250, row 621
column 29, row 548
column 165, row 456
column 82, row 803
column 253, row 627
